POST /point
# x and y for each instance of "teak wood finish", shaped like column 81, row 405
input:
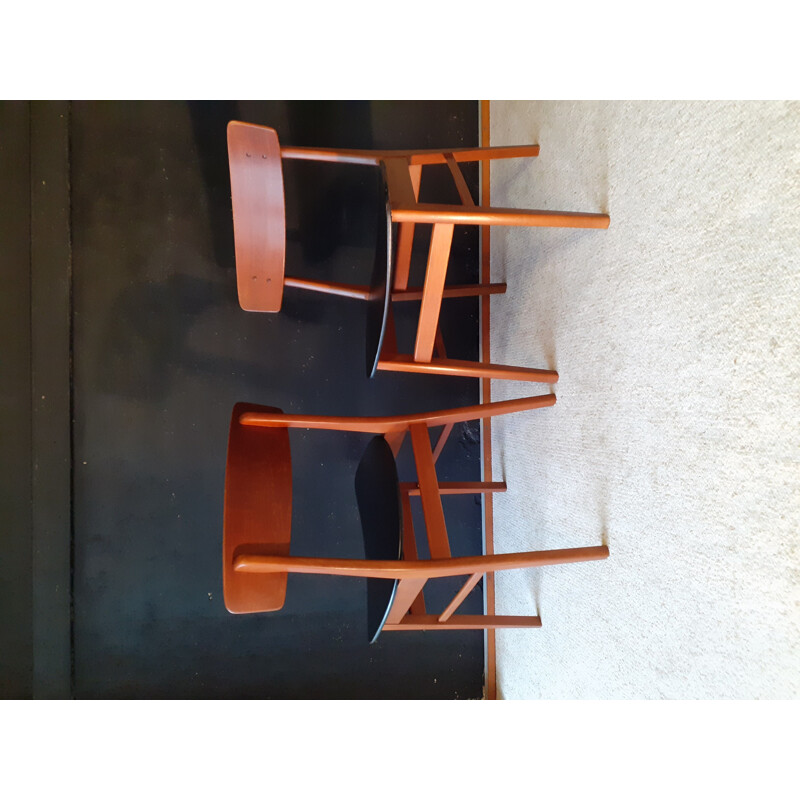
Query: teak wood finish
column 257, row 519
column 255, row 157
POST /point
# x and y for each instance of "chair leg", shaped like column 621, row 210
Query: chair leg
column 249, row 560
column 461, row 622
column 438, row 213
column 461, row 290
column 328, row 287
column 274, row 418
column 459, row 487
column 472, row 153
column 414, row 157
column 467, row 369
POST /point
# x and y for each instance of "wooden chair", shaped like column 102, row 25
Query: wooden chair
column 255, row 157
column 257, row 519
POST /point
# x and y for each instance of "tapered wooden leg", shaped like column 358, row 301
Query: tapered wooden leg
column 472, row 153
column 257, row 562
column 414, row 157
column 272, row 418
column 438, row 213
column 326, row 287
column 467, row 369
column 458, row 487
column 454, row 290
column 462, row 622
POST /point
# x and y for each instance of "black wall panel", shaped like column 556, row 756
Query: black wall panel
column 160, row 352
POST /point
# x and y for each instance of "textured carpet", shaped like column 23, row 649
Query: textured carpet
column 676, row 435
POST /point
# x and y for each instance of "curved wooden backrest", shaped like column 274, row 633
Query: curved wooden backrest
column 258, row 511
column 259, row 215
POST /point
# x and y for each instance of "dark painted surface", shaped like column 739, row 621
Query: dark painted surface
column 51, row 403
column 16, row 588
column 162, row 352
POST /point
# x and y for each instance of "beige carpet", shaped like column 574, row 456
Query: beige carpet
column 676, row 435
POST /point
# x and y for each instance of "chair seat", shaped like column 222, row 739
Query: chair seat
column 258, row 511
column 380, row 294
column 379, row 506
column 259, row 215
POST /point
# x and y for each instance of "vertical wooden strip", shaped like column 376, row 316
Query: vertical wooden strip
column 438, row 543
column 486, row 397
column 16, row 648
column 435, row 275
column 51, row 360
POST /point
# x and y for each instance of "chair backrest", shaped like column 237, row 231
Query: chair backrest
column 258, row 511
column 259, row 215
